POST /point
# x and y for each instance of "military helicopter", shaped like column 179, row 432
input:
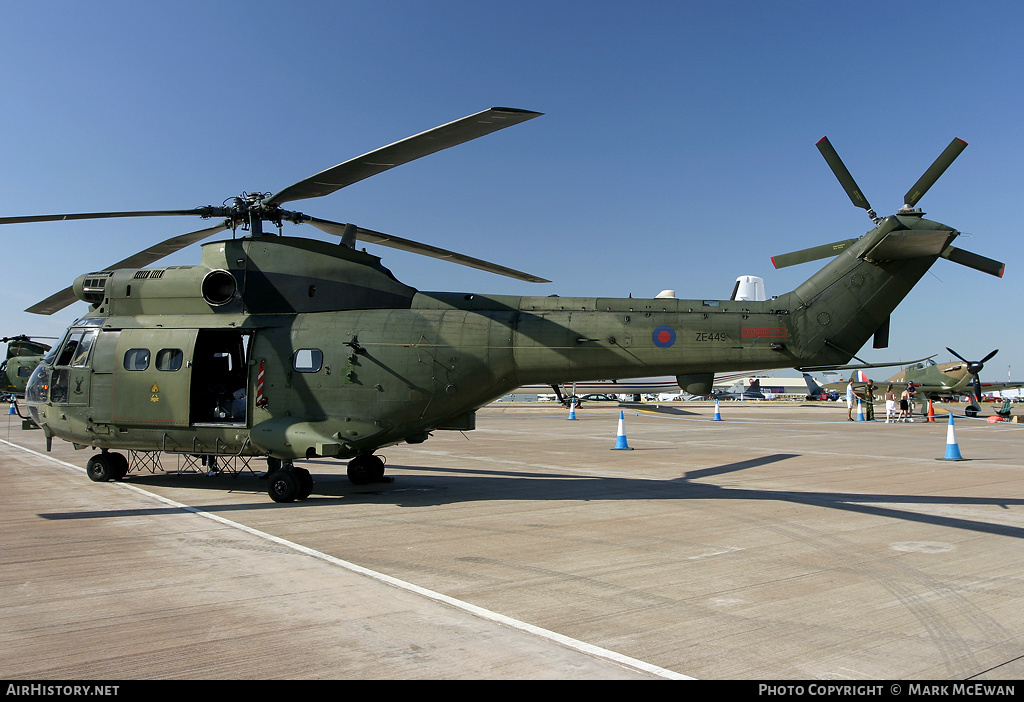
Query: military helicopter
column 23, row 355
column 292, row 348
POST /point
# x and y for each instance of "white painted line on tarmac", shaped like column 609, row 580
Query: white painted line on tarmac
column 486, row 614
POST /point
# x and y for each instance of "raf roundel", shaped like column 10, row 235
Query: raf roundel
column 664, row 337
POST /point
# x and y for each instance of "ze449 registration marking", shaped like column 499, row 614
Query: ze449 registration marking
column 711, row 336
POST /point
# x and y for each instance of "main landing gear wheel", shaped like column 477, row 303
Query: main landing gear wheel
column 365, row 469
column 106, row 466
column 289, row 484
column 120, row 464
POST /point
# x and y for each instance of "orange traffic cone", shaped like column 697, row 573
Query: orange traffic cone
column 931, row 411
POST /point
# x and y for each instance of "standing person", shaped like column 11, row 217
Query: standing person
column 905, row 405
column 869, row 398
column 890, row 404
column 851, row 398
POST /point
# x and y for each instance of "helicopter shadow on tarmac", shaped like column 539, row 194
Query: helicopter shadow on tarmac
column 475, row 485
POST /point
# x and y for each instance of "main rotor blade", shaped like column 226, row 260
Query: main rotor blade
column 934, row 171
column 409, row 149
column 975, row 261
column 395, row 242
column 102, row 215
column 845, row 179
column 58, row 301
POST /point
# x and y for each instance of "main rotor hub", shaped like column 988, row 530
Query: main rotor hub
column 250, row 210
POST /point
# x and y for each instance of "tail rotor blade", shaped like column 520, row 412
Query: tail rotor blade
column 975, row 261
column 843, row 175
column 811, row 254
column 934, row 171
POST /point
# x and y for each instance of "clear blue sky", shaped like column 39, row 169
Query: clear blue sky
column 677, row 148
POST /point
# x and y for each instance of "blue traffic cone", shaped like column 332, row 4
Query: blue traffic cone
column 572, row 409
column 860, row 412
column 718, row 413
column 11, row 409
column 620, row 438
column 952, row 449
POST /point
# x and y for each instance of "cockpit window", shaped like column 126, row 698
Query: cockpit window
column 70, row 348
column 81, row 357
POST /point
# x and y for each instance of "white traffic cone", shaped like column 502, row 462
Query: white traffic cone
column 620, row 438
column 952, row 449
column 718, row 413
column 572, row 408
column 860, row 411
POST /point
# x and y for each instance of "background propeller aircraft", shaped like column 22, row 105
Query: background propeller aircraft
column 293, row 348
column 938, row 381
column 943, row 380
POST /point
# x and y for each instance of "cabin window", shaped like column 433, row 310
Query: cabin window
column 169, row 359
column 308, row 360
column 136, row 359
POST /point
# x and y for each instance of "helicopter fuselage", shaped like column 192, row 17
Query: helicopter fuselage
column 295, row 348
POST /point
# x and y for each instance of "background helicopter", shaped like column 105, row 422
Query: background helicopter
column 295, row 348
column 23, row 355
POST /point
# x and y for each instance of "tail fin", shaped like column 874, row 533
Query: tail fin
column 840, row 307
column 813, row 389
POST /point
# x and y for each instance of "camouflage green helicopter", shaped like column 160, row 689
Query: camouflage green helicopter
column 23, row 355
column 292, row 348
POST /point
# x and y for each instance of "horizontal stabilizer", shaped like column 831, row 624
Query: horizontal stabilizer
column 811, row 254
column 975, row 261
column 914, row 243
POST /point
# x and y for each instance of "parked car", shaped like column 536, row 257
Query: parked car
column 600, row 398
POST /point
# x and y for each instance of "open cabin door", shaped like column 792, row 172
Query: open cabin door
column 220, row 377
